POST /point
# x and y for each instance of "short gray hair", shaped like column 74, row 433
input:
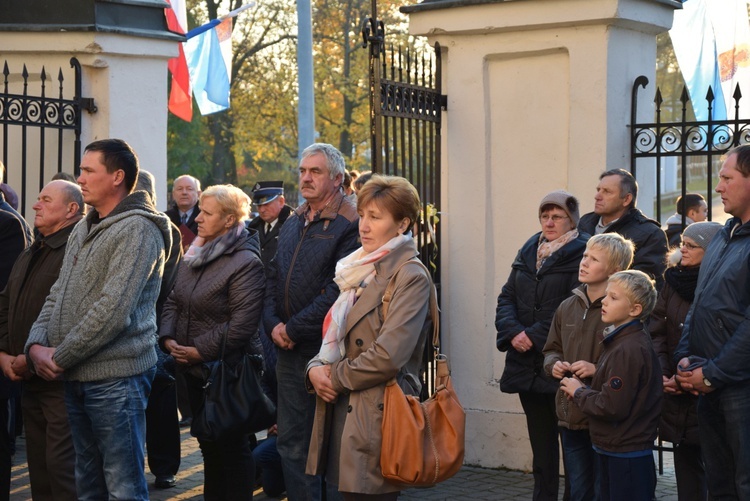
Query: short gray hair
column 334, row 159
column 73, row 193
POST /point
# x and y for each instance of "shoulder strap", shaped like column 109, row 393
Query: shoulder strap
column 434, row 310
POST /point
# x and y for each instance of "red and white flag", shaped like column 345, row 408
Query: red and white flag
column 180, row 97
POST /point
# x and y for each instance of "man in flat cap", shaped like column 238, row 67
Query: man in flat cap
column 268, row 196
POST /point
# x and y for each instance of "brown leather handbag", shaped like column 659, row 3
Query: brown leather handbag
column 423, row 442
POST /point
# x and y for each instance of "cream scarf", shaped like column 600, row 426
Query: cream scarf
column 353, row 273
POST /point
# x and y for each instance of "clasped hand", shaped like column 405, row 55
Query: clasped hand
column 320, row 377
column 183, row 355
column 44, row 362
column 692, row 380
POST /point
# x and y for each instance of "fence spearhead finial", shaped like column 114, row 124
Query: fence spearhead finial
column 685, row 97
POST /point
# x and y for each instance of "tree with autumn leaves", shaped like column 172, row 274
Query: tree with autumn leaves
column 256, row 139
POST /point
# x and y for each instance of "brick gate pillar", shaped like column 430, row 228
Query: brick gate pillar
column 538, row 100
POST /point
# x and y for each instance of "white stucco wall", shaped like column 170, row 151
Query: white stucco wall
column 126, row 76
column 538, row 100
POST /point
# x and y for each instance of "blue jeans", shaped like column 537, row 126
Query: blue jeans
column 724, row 421
column 268, row 460
column 295, row 412
column 581, row 465
column 108, row 425
column 627, row 479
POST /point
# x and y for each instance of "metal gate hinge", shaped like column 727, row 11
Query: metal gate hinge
column 87, row 103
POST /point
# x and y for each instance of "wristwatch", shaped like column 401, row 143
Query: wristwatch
column 706, row 382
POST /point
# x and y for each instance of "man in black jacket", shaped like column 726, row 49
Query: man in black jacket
column 268, row 196
column 615, row 212
column 299, row 292
column 714, row 350
column 48, row 440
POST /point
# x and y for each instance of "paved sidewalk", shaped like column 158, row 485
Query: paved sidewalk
column 469, row 483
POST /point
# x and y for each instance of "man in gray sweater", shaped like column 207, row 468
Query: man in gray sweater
column 97, row 328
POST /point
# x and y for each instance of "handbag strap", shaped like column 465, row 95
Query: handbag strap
column 434, row 309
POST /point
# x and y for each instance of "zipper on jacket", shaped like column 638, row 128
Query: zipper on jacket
column 289, row 273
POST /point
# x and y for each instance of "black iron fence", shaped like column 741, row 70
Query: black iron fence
column 406, row 106
column 683, row 155
column 40, row 128
column 405, row 118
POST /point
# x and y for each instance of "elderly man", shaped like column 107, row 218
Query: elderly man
column 185, row 193
column 268, row 197
column 97, row 328
column 714, row 350
column 615, row 212
column 299, row 293
column 49, row 445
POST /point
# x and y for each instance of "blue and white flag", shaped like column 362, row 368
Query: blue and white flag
column 694, row 45
column 209, row 68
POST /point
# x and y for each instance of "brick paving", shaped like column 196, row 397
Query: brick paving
column 470, row 483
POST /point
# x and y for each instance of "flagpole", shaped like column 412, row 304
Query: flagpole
column 306, row 112
column 215, row 22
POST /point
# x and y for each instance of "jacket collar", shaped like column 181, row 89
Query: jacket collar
column 580, row 292
column 611, row 332
column 330, row 211
column 59, row 238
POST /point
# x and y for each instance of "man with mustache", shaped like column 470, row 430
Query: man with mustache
column 299, row 293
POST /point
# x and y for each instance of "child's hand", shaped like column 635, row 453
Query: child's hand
column 560, row 368
column 569, row 385
column 583, row 369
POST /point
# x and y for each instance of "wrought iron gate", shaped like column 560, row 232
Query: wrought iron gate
column 41, row 133
column 692, row 147
column 405, row 113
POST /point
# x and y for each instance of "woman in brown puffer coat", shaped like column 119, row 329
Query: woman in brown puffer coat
column 218, row 291
column 679, row 419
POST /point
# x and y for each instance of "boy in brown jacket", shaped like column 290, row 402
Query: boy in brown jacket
column 573, row 347
column 623, row 403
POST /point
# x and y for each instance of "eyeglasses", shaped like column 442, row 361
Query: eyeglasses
column 690, row 246
column 555, row 218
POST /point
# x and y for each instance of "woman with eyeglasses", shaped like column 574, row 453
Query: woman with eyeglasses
column 543, row 274
column 679, row 419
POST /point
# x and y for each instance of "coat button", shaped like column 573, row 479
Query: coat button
column 359, row 342
column 380, row 407
column 349, row 409
column 537, row 307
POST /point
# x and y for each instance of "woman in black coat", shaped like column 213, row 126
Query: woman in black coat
column 679, row 417
column 543, row 274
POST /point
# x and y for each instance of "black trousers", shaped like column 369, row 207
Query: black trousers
column 162, row 428
column 541, row 420
column 228, row 466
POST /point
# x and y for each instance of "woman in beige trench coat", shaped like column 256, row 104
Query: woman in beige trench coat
column 361, row 351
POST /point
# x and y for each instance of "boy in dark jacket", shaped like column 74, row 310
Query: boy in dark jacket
column 623, row 403
column 573, row 348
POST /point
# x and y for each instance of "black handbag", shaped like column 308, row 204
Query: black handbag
column 233, row 400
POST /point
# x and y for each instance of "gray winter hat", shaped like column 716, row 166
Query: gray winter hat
column 702, row 233
column 565, row 201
